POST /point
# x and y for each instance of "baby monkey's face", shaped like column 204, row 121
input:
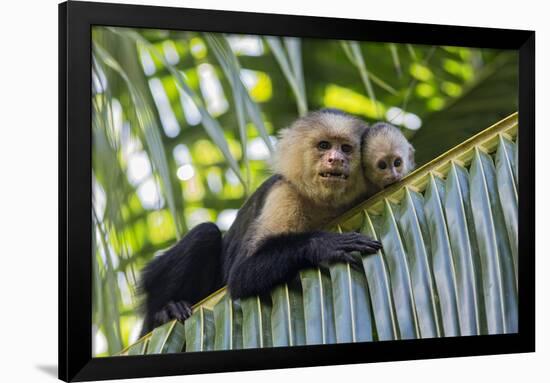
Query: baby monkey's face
column 387, row 156
column 389, row 169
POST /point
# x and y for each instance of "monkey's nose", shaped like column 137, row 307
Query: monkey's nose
column 335, row 159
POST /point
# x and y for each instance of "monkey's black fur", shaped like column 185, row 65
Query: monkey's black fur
column 279, row 258
column 234, row 239
column 201, row 262
column 183, row 275
column 196, row 266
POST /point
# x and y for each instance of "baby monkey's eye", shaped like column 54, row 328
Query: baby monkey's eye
column 397, row 162
column 382, row 165
column 347, row 148
column 324, row 145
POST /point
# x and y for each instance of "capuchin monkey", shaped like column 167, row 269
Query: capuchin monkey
column 318, row 177
column 386, row 156
column 277, row 232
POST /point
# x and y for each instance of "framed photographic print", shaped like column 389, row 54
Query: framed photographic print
column 249, row 191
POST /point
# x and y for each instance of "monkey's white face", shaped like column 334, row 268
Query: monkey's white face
column 334, row 160
column 321, row 155
column 335, row 166
column 388, row 170
column 387, row 157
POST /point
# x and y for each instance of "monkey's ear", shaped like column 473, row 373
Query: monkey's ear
column 412, row 163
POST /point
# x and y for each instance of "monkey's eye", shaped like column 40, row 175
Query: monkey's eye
column 347, row 148
column 382, row 165
column 324, row 145
column 397, row 162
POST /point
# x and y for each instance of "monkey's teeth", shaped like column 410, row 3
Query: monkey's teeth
column 333, row 175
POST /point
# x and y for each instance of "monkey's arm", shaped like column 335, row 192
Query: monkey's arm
column 281, row 242
column 278, row 258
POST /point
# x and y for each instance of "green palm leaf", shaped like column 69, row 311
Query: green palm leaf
column 287, row 316
column 211, row 125
column 228, row 320
column 167, row 338
column 413, row 226
column 199, row 331
column 352, row 306
column 256, row 322
column 442, row 257
column 289, row 60
column 378, row 280
column 447, row 267
column 149, row 130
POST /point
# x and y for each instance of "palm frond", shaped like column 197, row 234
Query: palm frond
column 446, row 269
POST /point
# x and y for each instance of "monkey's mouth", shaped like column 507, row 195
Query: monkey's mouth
column 333, row 176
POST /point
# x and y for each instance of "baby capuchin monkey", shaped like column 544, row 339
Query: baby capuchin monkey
column 278, row 230
column 386, row 156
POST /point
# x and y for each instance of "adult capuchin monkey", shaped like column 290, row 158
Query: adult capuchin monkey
column 318, row 176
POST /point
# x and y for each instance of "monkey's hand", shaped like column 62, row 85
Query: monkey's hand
column 338, row 247
column 180, row 310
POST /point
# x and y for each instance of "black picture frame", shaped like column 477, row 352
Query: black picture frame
column 75, row 191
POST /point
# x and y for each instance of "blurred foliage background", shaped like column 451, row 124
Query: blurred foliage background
column 184, row 125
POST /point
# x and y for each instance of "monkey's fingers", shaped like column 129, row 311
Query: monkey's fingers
column 189, row 310
column 363, row 245
column 371, row 243
column 373, row 247
column 180, row 310
column 376, row 245
column 352, row 237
